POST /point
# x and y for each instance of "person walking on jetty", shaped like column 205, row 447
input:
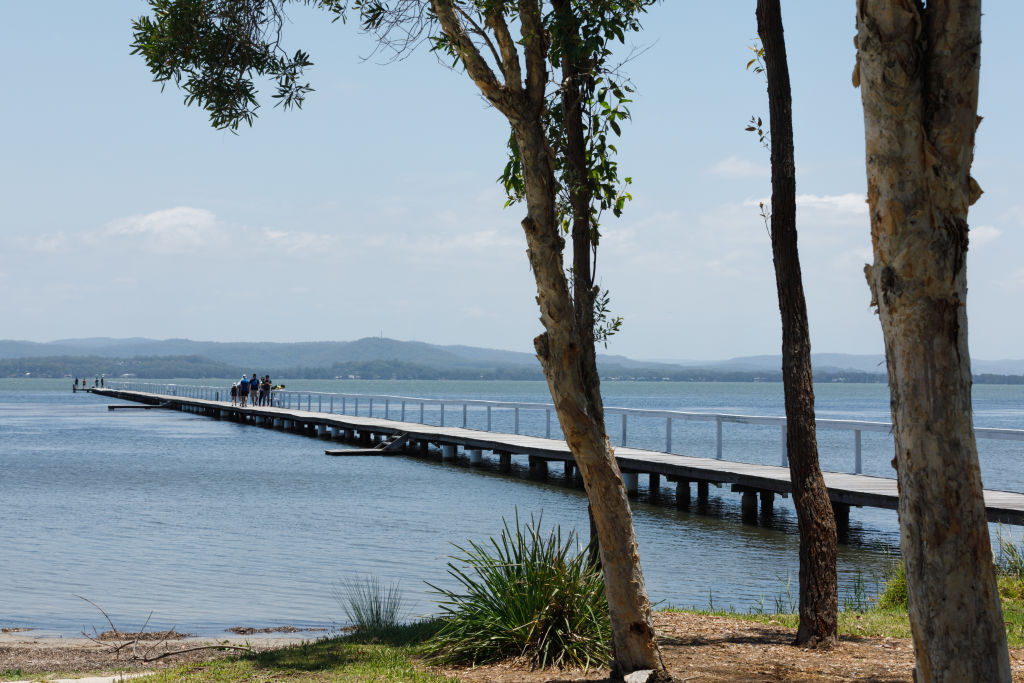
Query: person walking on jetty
column 243, row 390
column 264, row 390
column 234, row 394
column 254, row 389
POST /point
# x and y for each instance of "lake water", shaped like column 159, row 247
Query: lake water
column 211, row 524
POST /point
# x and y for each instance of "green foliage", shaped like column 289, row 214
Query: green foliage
column 213, row 49
column 894, row 595
column 605, row 324
column 524, row 595
column 755, row 125
column 855, row 597
column 373, row 608
column 1010, row 559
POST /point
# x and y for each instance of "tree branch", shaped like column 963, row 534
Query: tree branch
column 476, row 65
column 495, row 20
column 479, row 30
column 535, row 47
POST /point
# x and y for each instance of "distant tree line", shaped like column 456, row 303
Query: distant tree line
column 199, row 367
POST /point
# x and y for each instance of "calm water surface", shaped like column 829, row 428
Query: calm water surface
column 211, row 524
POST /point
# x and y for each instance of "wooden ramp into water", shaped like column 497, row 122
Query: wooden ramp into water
column 754, row 482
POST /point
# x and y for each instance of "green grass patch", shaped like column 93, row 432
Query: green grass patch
column 386, row 656
column 886, row 614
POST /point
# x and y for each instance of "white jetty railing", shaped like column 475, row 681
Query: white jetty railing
column 456, row 412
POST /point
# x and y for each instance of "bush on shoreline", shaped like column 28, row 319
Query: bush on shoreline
column 525, row 595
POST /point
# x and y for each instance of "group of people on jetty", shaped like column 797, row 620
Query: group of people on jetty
column 255, row 391
column 85, row 384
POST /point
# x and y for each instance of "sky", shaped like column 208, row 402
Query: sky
column 374, row 210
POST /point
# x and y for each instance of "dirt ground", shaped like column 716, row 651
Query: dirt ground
column 695, row 648
column 701, row 649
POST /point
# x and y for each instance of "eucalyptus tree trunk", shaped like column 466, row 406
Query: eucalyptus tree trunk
column 818, row 598
column 563, row 348
column 918, row 70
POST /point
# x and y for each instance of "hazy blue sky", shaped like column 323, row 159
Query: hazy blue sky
column 375, row 210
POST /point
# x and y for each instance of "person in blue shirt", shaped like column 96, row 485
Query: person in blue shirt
column 243, row 390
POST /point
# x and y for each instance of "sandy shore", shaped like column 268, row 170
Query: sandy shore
column 25, row 653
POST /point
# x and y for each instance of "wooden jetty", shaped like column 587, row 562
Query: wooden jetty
column 756, row 483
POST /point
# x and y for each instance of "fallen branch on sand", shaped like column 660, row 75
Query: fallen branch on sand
column 117, row 642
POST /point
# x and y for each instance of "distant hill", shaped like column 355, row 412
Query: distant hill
column 379, row 357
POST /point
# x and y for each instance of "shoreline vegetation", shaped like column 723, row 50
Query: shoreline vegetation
column 197, row 367
column 697, row 644
column 380, row 358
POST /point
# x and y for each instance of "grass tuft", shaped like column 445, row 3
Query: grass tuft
column 373, row 608
column 524, row 595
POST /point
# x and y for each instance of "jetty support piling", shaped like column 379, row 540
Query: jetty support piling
column 538, row 468
column 682, row 493
column 504, row 461
column 702, row 492
column 632, row 482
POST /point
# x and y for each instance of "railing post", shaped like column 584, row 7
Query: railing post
column 357, row 407
column 517, row 419
column 319, row 403
column 387, row 409
column 422, row 418
column 856, row 452
column 403, row 411
column 344, row 404
column 488, row 418
column 668, row 434
column 785, row 448
column 309, row 402
column 371, row 408
column 442, row 413
column 465, row 415
column 332, row 403
column 718, row 438
column 623, row 442
column 547, row 423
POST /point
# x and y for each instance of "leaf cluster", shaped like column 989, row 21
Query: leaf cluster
column 585, row 33
column 213, row 50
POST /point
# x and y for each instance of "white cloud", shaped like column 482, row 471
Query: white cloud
column 297, row 241
column 983, row 234
column 176, row 230
column 850, row 203
column 734, row 167
column 43, row 243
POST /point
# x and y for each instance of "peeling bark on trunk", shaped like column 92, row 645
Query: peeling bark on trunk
column 918, row 70
column 818, row 599
column 566, row 350
column 560, row 350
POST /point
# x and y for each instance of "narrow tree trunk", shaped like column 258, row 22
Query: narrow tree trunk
column 562, row 350
column 559, row 350
column 818, row 599
column 919, row 74
column 632, row 641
